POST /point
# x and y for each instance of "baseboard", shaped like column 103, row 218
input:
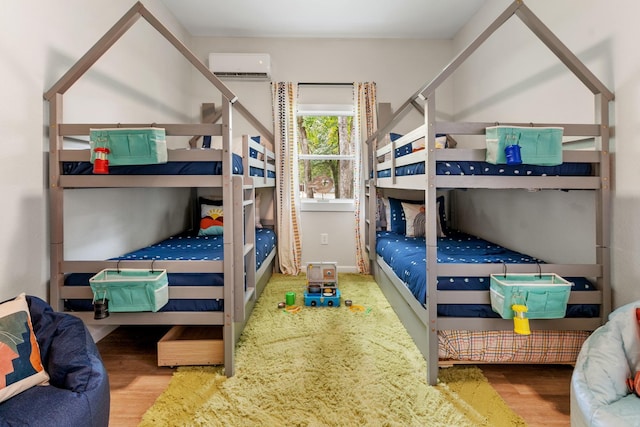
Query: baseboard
column 341, row 268
column 348, row 269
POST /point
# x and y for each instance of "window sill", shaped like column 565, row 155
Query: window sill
column 327, row 206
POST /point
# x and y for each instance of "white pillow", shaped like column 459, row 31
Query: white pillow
column 387, row 212
column 441, row 142
column 257, row 209
column 415, row 218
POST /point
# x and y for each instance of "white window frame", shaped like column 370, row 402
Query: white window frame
column 329, row 205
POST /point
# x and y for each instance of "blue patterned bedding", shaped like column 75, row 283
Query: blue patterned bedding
column 407, row 258
column 169, row 168
column 253, row 171
column 183, row 247
column 484, row 168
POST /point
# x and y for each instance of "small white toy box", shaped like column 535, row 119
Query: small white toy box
column 322, row 285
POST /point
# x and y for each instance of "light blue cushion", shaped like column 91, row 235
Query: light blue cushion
column 622, row 412
column 599, row 395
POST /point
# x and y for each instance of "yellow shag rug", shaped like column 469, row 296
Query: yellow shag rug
column 328, row 366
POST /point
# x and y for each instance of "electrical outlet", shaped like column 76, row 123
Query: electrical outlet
column 324, row 239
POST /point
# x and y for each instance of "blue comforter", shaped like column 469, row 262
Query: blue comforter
column 407, row 258
column 484, row 168
column 184, row 247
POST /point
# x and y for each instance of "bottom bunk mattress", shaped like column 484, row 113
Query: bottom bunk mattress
column 182, row 247
column 406, row 256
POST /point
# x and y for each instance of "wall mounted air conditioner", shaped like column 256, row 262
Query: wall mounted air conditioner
column 246, row 66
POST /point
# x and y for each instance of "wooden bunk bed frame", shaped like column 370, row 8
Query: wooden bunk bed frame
column 238, row 192
column 422, row 321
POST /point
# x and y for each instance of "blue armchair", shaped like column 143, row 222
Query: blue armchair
column 78, row 394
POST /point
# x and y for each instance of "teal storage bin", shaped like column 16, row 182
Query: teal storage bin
column 545, row 295
column 131, row 289
column 538, row 145
column 127, row 146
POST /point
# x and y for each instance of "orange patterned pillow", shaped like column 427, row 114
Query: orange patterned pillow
column 211, row 220
column 20, row 364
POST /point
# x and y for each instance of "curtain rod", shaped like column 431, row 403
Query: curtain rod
column 325, row 84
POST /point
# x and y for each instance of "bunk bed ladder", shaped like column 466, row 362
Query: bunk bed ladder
column 244, row 255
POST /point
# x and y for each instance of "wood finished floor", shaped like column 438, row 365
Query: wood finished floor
column 538, row 393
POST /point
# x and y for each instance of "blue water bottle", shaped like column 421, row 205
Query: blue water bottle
column 512, row 153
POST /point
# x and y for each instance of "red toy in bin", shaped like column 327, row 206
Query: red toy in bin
column 101, row 163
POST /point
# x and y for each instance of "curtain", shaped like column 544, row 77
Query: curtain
column 365, row 125
column 284, row 108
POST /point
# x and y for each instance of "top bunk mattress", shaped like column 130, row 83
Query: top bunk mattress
column 484, row 168
column 169, row 168
column 451, row 167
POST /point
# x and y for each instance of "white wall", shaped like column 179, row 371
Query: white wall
column 399, row 68
column 513, row 77
column 139, row 79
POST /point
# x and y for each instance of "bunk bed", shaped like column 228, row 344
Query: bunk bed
column 190, row 245
column 453, row 323
column 218, row 281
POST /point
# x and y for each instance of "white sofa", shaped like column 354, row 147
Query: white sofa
column 599, row 395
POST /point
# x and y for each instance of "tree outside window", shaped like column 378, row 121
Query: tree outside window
column 326, row 156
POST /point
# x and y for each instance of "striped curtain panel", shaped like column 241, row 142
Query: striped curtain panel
column 366, row 119
column 284, row 108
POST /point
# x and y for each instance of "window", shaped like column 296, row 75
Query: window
column 326, row 153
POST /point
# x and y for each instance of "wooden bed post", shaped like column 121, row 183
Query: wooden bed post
column 431, row 239
column 56, row 211
column 227, row 196
column 603, row 205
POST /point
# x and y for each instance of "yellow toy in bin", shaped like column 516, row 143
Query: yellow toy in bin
column 520, row 321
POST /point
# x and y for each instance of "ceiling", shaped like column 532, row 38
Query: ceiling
column 415, row 19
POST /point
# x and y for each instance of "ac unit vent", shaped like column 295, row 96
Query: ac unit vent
column 245, row 66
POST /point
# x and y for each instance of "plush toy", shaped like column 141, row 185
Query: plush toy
column 633, row 384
